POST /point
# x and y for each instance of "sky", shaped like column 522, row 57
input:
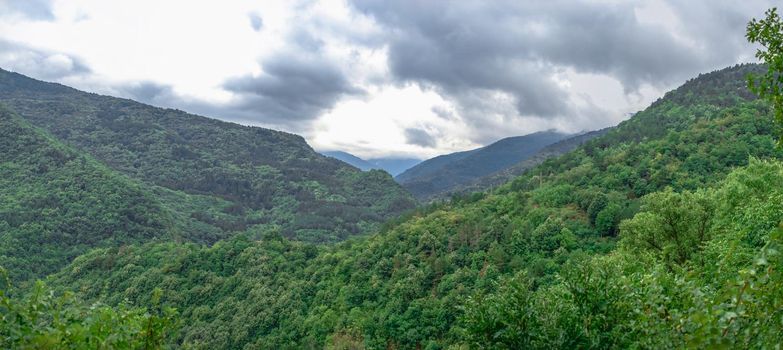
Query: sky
column 380, row 78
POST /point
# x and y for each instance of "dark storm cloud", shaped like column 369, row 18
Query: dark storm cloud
column 473, row 48
column 33, row 9
column 293, row 88
column 40, row 64
column 163, row 95
column 499, row 64
column 419, row 137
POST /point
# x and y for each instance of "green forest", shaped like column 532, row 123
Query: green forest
column 220, row 178
column 123, row 227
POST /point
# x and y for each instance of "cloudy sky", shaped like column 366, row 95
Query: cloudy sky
column 377, row 77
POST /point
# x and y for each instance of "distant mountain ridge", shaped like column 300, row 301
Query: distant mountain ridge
column 431, row 166
column 444, row 173
column 222, row 177
column 351, row 159
column 501, row 177
column 393, row 166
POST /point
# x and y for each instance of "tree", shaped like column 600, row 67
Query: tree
column 768, row 32
column 41, row 320
column 503, row 319
column 672, row 225
column 607, row 219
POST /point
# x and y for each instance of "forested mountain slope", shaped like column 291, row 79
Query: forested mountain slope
column 433, row 279
column 694, row 270
column 444, row 173
column 56, row 203
column 430, row 166
column 488, row 182
column 258, row 176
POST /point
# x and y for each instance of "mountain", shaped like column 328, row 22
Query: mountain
column 56, row 203
column 661, row 233
column 431, row 166
column 394, row 166
column 223, row 178
column 351, row 159
column 444, row 173
column 501, row 177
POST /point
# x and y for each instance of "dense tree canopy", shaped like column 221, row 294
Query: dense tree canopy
column 42, row 321
column 219, row 178
column 768, row 32
column 694, row 270
column 56, row 203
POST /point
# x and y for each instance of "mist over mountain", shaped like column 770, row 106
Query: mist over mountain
column 393, row 166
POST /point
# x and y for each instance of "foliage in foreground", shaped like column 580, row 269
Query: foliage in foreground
column 41, row 320
column 694, row 270
column 768, row 32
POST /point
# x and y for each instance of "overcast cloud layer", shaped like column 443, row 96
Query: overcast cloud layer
column 378, row 78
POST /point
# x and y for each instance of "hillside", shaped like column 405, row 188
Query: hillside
column 444, row 173
column 531, row 264
column 431, row 166
column 223, row 177
column 501, row 177
column 56, row 203
column 694, row 270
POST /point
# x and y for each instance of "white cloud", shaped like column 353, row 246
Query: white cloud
column 469, row 81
